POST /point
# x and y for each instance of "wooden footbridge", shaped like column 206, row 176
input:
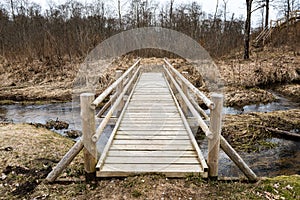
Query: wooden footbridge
column 155, row 117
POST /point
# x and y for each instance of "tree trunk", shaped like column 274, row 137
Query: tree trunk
column 247, row 30
column 267, row 13
column 171, row 13
column 119, row 12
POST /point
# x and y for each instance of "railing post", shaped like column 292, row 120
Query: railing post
column 119, row 90
column 215, row 128
column 88, row 130
column 185, row 91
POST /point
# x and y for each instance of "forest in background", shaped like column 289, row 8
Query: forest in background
column 72, row 29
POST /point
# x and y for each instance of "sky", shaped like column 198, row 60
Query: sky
column 233, row 6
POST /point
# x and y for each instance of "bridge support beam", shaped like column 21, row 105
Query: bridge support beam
column 88, row 130
column 214, row 142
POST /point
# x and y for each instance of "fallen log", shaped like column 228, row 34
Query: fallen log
column 285, row 134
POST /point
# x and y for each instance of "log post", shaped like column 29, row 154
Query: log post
column 214, row 142
column 119, row 90
column 65, row 161
column 88, row 130
column 235, row 157
column 185, row 91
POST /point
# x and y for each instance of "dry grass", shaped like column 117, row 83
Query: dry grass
column 34, row 151
column 245, row 132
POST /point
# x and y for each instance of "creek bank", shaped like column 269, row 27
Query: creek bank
column 248, row 132
column 35, row 151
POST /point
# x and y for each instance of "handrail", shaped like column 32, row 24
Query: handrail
column 195, row 90
column 106, row 92
column 267, row 31
column 104, row 122
column 199, row 119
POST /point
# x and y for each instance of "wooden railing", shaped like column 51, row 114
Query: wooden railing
column 90, row 135
column 123, row 86
column 215, row 140
column 267, row 31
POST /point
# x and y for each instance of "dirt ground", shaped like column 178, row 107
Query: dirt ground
column 28, row 154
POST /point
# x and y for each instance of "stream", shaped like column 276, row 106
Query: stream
column 281, row 160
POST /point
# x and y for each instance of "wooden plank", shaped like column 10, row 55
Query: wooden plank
column 142, row 168
column 110, row 140
column 156, row 128
column 105, row 121
column 167, row 174
column 189, row 131
column 152, row 137
column 151, row 147
column 151, row 107
column 152, row 122
column 181, row 153
column 153, row 115
column 147, row 126
column 151, row 160
column 155, row 106
column 151, row 133
column 152, row 111
column 151, row 142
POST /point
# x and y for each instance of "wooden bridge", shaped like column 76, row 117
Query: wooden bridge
column 155, row 117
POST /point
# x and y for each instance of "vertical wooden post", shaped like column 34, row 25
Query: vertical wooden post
column 215, row 128
column 119, row 90
column 88, row 130
column 185, row 91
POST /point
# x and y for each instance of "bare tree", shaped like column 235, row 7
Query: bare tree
column 171, row 12
column 119, row 13
column 247, row 29
column 267, row 13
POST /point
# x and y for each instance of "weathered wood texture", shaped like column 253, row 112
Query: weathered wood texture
column 206, row 100
column 88, row 130
column 235, row 157
column 197, row 116
column 152, row 136
column 215, row 128
column 104, row 94
column 106, row 120
column 65, row 161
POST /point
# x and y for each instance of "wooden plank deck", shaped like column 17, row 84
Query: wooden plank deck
column 152, row 135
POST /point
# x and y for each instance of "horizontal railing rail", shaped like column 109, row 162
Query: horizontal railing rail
column 113, row 86
column 193, row 89
column 107, row 117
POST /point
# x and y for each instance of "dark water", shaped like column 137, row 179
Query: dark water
column 280, row 103
column 282, row 160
